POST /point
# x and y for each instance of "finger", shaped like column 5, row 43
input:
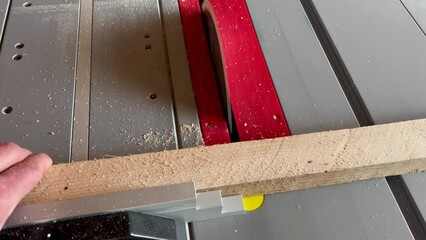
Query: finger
column 10, row 154
column 18, row 181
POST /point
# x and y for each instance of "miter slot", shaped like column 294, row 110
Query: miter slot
column 340, row 70
column 411, row 201
column 4, row 12
column 81, row 116
column 414, row 188
column 37, row 62
column 417, row 10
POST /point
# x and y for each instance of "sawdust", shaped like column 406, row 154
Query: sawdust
column 154, row 140
column 191, row 135
column 189, row 128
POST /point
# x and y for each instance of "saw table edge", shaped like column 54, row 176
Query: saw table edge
column 248, row 168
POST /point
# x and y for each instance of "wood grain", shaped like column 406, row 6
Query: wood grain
column 265, row 166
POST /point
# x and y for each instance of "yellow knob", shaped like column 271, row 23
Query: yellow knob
column 252, row 203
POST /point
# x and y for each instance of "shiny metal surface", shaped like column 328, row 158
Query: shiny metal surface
column 141, row 90
column 81, row 119
column 131, row 108
column 387, row 68
column 37, row 60
column 143, row 200
column 96, row 78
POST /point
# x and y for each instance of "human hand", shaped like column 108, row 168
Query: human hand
column 20, row 171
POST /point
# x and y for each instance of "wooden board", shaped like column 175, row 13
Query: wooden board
column 265, row 166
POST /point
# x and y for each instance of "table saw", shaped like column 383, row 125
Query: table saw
column 91, row 79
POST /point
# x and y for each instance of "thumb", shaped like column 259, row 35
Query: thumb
column 19, row 180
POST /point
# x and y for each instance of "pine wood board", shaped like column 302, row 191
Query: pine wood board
column 264, row 166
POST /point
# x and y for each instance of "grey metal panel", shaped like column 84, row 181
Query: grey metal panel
column 338, row 212
column 39, row 87
column 186, row 116
column 384, row 51
column 416, row 183
column 417, row 9
column 129, row 67
column 306, row 85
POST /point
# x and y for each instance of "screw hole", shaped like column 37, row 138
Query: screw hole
column 27, row 4
column 17, row 57
column 276, row 117
column 7, row 110
column 19, row 45
column 147, row 36
column 153, row 96
column 148, row 47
